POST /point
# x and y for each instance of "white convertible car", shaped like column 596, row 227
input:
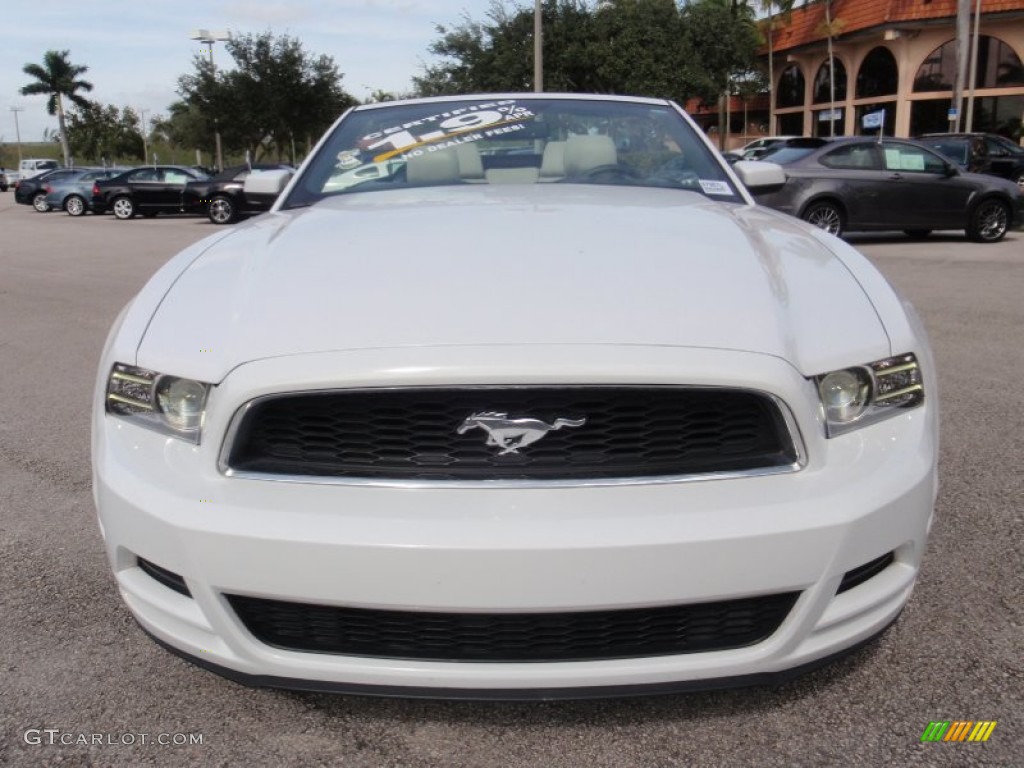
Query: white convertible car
column 542, row 406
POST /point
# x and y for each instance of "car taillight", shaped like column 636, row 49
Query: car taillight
column 47, row 188
column 96, row 189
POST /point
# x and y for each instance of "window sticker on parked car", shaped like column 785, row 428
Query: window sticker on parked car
column 715, row 187
column 895, row 160
column 446, row 129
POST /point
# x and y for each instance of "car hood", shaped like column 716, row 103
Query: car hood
column 539, row 264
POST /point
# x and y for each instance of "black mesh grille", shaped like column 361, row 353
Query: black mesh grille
column 577, row 636
column 413, row 433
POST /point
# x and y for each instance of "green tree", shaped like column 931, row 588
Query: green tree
column 724, row 47
column 642, row 48
column 275, row 94
column 57, row 78
column 101, row 133
column 185, row 127
column 621, row 46
column 773, row 22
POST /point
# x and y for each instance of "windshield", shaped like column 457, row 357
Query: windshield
column 784, row 155
column 524, row 140
column 953, row 149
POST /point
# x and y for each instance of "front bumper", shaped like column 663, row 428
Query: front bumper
column 514, row 550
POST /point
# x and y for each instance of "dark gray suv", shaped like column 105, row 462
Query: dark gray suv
column 981, row 153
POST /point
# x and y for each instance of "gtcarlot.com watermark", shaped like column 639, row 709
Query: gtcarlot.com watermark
column 58, row 737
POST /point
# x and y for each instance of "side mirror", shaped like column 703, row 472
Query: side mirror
column 267, row 182
column 951, row 170
column 760, row 175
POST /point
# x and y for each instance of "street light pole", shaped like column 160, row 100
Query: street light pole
column 538, row 47
column 17, row 130
column 145, row 145
column 209, row 38
column 973, row 70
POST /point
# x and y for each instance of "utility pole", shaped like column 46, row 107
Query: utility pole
column 208, row 37
column 969, row 124
column 145, row 144
column 538, row 47
column 17, row 130
column 963, row 42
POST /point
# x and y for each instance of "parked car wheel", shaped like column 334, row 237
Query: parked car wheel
column 826, row 215
column 74, row 205
column 1020, row 180
column 123, row 208
column 39, row 202
column 221, row 210
column 917, row 234
column 989, row 221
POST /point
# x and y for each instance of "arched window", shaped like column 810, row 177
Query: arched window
column 822, row 86
column 998, row 66
column 878, row 74
column 791, row 88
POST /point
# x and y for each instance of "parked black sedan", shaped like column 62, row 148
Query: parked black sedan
column 862, row 184
column 148, row 190
column 223, row 197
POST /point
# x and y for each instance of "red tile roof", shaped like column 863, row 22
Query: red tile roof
column 806, row 23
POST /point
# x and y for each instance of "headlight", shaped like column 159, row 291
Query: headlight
column 856, row 397
column 168, row 404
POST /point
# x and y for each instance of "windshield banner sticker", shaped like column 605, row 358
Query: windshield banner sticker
column 446, row 129
column 715, row 187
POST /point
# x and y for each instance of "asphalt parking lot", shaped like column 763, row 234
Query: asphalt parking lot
column 75, row 668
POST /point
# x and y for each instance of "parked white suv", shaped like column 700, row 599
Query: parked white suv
column 34, row 166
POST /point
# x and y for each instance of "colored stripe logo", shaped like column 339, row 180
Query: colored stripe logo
column 959, row 730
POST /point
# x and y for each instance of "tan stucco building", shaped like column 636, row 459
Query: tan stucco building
column 897, row 55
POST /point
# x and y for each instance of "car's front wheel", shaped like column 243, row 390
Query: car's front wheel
column 1019, row 178
column 39, row 202
column 221, row 210
column 74, row 205
column 123, row 208
column 826, row 215
column 989, row 221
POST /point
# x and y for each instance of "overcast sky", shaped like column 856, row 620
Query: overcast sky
column 136, row 50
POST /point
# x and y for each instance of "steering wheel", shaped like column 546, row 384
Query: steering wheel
column 612, row 173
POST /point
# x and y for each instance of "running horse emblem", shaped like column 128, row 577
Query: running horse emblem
column 512, row 434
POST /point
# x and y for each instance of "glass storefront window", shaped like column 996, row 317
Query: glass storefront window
column 998, row 67
column 822, row 85
column 836, row 117
column 791, row 88
column 929, row 116
column 878, row 74
column 888, row 127
column 791, row 124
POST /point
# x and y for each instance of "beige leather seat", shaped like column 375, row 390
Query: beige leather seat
column 471, row 166
column 552, row 164
column 584, row 153
column 440, row 167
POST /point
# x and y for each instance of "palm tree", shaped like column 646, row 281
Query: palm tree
column 785, row 8
column 56, row 78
